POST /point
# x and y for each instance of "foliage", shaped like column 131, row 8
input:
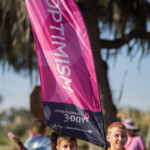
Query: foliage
column 137, row 116
column 124, row 114
column 126, row 20
column 25, row 114
column 3, row 141
column 17, row 121
column 82, row 145
column 16, row 36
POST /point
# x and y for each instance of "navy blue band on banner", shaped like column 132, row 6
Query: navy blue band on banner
column 72, row 120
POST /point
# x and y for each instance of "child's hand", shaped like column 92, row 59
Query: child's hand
column 13, row 138
column 10, row 134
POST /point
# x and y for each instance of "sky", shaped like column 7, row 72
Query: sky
column 16, row 89
column 136, row 91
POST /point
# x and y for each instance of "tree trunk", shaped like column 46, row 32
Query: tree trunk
column 89, row 11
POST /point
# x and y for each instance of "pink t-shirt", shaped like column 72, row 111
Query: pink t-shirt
column 135, row 143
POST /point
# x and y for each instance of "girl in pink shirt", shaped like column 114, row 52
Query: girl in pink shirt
column 134, row 142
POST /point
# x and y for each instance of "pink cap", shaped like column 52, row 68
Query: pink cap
column 130, row 125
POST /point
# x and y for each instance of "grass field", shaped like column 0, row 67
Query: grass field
column 8, row 147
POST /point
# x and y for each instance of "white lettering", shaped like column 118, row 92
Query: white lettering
column 83, row 119
column 62, row 61
column 59, row 53
column 72, row 118
column 66, row 118
column 53, row 6
column 56, row 15
column 78, row 119
column 60, row 29
column 67, row 81
column 64, row 68
column 57, row 37
column 62, row 45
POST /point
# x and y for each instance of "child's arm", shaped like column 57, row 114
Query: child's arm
column 21, row 146
column 16, row 140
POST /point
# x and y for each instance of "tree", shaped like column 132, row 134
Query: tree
column 126, row 20
column 1, row 98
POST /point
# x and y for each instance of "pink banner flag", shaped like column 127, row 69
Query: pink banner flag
column 68, row 80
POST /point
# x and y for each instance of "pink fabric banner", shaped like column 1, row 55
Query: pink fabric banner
column 70, row 92
column 65, row 60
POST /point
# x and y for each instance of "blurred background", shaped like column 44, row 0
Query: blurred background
column 119, row 32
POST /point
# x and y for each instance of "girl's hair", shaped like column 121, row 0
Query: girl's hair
column 38, row 126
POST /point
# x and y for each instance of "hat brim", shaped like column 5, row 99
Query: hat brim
column 129, row 127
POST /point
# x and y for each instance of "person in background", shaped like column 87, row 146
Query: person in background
column 53, row 137
column 116, row 136
column 37, row 140
column 16, row 140
column 135, row 142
